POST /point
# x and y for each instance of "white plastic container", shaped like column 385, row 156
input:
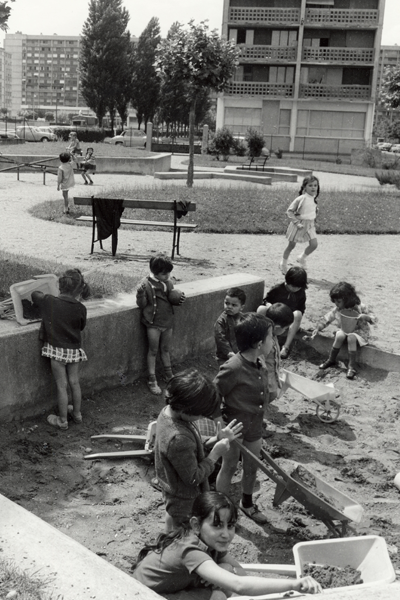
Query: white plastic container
column 396, row 481
column 368, row 554
column 48, row 284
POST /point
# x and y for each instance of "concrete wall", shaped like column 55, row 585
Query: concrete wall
column 146, row 165
column 114, row 340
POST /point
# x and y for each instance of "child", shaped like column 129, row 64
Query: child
column 197, row 556
column 302, row 214
column 89, row 166
column 181, row 466
column 65, row 178
column 242, row 382
column 291, row 292
column 282, row 317
column 63, row 319
column 224, row 333
column 152, row 297
column 74, row 147
column 344, row 296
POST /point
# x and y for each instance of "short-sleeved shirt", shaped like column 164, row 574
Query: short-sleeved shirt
column 294, row 300
column 174, row 568
column 243, row 385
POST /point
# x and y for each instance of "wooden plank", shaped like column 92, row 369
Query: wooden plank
column 136, row 203
column 149, row 223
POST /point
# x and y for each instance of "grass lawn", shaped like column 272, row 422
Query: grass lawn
column 253, row 210
column 55, row 148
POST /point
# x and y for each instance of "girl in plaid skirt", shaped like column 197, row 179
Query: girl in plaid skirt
column 63, row 319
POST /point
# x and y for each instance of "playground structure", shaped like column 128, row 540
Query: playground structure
column 36, row 165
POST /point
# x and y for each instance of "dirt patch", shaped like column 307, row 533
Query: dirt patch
column 110, row 507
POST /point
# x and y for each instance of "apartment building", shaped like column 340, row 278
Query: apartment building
column 5, row 80
column 44, row 72
column 308, row 72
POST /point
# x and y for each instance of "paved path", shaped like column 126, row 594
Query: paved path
column 367, row 261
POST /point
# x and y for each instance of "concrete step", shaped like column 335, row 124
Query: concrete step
column 272, row 171
column 235, row 175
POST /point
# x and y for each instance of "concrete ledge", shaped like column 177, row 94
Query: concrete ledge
column 115, row 342
column 75, row 572
column 274, row 175
column 215, row 175
column 146, row 165
column 367, row 355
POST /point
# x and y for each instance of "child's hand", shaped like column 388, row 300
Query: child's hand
column 299, row 225
column 58, row 188
column 231, row 432
column 230, row 354
column 365, row 318
column 183, row 298
column 309, row 585
column 142, row 288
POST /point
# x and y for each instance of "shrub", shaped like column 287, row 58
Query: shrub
column 239, row 148
column 255, row 142
column 388, row 177
column 369, row 158
column 221, row 143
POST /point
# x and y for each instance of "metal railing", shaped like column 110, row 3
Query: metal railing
column 342, row 17
column 255, row 88
column 287, row 16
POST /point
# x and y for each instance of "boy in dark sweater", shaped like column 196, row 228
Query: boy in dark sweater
column 224, row 328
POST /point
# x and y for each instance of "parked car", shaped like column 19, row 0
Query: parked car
column 8, row 134
column 129, row 137
column 395, row 148
column 386, row 146
column 35, row 134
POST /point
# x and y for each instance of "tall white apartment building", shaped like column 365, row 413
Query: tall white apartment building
column 5, row 80
column 308, row 71
column 44, row 72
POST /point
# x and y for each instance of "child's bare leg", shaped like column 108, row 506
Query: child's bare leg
column 65, row 196
column 59, row 371
column 283, row 264
column 312, row 245
column 337, row 344
column 250, row 467
column 293, row 329
column 73, row 380
column 352, row 347
column 153, row 336
column 84, row 176
column 165, row 344
column 227, row 471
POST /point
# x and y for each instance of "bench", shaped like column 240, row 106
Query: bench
column 169, row 205
column 257, row 161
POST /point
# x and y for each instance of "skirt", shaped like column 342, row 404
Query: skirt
column 303, row 235
column 64, row 355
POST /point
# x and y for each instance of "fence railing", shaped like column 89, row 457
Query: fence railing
column 342, row 17
column 286, row 16
column 341, row 92
column 262, row 53
column 255, row 88
column 351, row 55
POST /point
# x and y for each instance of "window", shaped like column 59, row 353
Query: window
column 327, row 124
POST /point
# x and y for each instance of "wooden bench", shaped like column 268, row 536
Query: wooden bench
column 169, row 205
column 257, row 161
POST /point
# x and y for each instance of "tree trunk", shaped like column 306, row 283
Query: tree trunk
column 189, row 181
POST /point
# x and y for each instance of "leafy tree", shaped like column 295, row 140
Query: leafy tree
column 390, row 93
column 104, row 60
column 145, row 83
column 49, row 116
column 5, row 12
column 201, row 60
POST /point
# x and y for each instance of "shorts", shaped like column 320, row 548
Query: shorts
column 252, row 422
column 64, row 355
column 162, row 329
column 180, row 509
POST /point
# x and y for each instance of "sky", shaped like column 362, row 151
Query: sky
column 33, row 17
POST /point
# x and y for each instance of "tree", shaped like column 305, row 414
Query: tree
column 105, row 55
column 202, row 61
column 5, row 12
column 390, row 94
column 145, row 83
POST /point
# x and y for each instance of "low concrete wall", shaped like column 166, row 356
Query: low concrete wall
column 114, row 340
column 146, row 165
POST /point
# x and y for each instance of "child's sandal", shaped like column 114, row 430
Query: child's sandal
column 154, row 388
column 351, row 373
column 56, row 422
column 76, row 418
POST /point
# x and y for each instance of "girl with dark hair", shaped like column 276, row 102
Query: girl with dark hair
column 353, row 318
column 197, row 556
column 63, row 319
column 182, row 468
column 302, row 214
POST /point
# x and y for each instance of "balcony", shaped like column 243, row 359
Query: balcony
column 335, row 92
column 267, row 53
column 273, row 16
column 258, row 88
column 338, row 55
column 342, row 17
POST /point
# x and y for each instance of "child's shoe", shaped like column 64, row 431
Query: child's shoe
column 351, row 373
column 154, row 387
column 56, row 422
column 76, row 418
column 327, row 363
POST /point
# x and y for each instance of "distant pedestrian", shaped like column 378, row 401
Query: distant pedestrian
column 65, row 178
column 302, row 214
